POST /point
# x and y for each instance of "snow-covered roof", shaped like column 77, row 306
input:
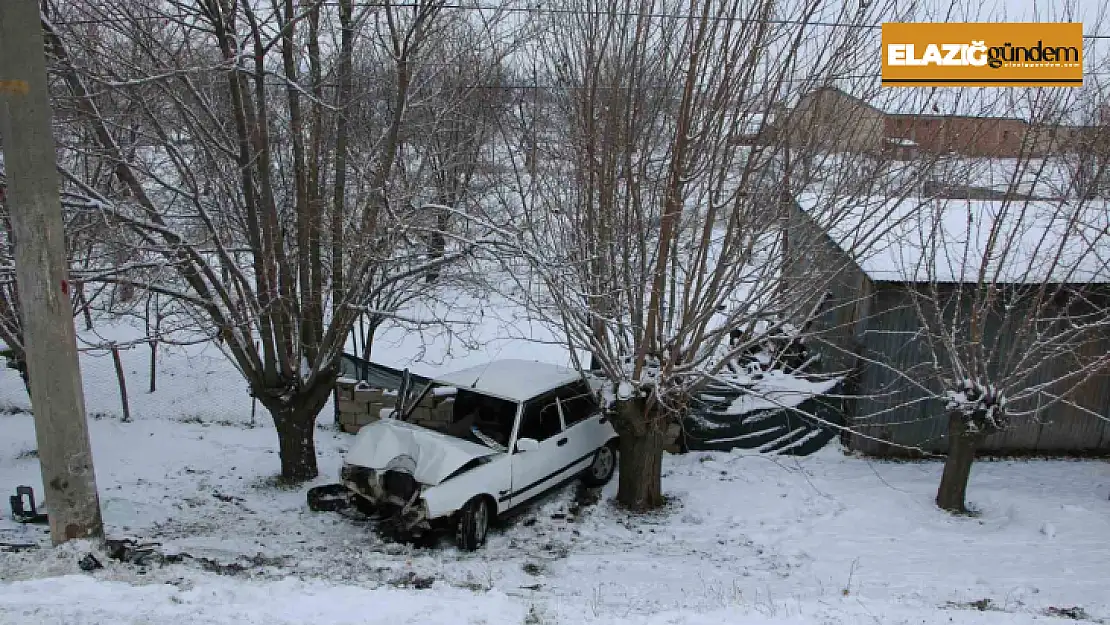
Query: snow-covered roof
column 754, row 123
column 1042, row 178
column 927, row 240
column 515, row 380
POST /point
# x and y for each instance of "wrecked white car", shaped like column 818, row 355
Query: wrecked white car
column 507, row 432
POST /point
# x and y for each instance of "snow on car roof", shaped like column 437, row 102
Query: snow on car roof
column 920, row 240
column 515, row 380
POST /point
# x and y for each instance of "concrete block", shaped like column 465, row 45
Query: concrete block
column 351, row 406
column 444, row 411
column 421, row 415
column 363, row 418
column 368, row 394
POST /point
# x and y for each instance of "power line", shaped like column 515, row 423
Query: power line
column 537, row 10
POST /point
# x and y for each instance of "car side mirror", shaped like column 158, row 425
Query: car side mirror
column 527, row 444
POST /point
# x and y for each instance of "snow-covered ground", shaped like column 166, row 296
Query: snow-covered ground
column 747, row 539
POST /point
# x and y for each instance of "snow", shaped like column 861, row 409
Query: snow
column 497, row 329
column 221, row 600
column 746, row 539
column 920, row 240
column 194, row 382
column 754, row 123
column 982, row 407
column 625, row 390
column 1037, row 177
column 778, row 390
column 515, row 380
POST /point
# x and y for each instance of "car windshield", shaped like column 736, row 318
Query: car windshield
column 482, row 419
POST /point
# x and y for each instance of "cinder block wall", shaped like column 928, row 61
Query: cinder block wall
column 359, row 405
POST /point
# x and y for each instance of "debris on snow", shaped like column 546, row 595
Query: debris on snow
column 89, row 563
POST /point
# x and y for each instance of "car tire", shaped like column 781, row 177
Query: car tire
column 473, row 524
column 364, row 505
column 329, row 498
column 602, row 468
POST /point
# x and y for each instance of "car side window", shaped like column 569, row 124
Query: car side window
column 541, row 419
column 577, row 402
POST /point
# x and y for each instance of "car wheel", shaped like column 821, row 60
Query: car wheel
column 602, row 468
column 329, row 498
column 364, row 505
column 473, row 525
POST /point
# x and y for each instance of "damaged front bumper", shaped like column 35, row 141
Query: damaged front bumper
column 394, row 496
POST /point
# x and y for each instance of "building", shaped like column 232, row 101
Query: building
column 959, row 134
column 882, row 252
column 832, row 120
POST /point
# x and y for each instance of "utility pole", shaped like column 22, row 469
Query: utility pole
column 35, row 210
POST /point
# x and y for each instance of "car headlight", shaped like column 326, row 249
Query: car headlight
column 400, row 484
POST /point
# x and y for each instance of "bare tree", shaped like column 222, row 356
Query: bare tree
column 1000, row 289
column 653, row 223
column 1013, row 314
column 87, row 244
column 246, row 163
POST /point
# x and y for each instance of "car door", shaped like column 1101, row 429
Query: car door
column 582, row 425
column 537, row 470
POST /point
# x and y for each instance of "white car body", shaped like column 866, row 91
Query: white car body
column 451, row 471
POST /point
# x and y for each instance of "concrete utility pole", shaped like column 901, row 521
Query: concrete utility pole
column 40, row 262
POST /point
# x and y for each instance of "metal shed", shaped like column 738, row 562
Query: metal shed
column 872, row 330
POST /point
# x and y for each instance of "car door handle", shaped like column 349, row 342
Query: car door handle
column 561, row 442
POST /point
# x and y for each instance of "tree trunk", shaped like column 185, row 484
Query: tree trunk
column 22, row 368
column 83, row 302
column 295, row 421
column 641, row 456
column 437, row 243
column 957, row 467
column 296, row 443
column 153, row 365
column 122, row 379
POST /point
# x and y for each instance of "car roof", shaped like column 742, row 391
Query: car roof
column 515, row 380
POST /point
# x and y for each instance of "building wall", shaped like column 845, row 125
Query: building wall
column 968, row 136
column 892, row 405
column 832, row 121
column 816, row 264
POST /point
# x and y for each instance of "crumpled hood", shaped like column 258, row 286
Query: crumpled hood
column 437, row 455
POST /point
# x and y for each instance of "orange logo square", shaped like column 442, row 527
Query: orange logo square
column 983, row 54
